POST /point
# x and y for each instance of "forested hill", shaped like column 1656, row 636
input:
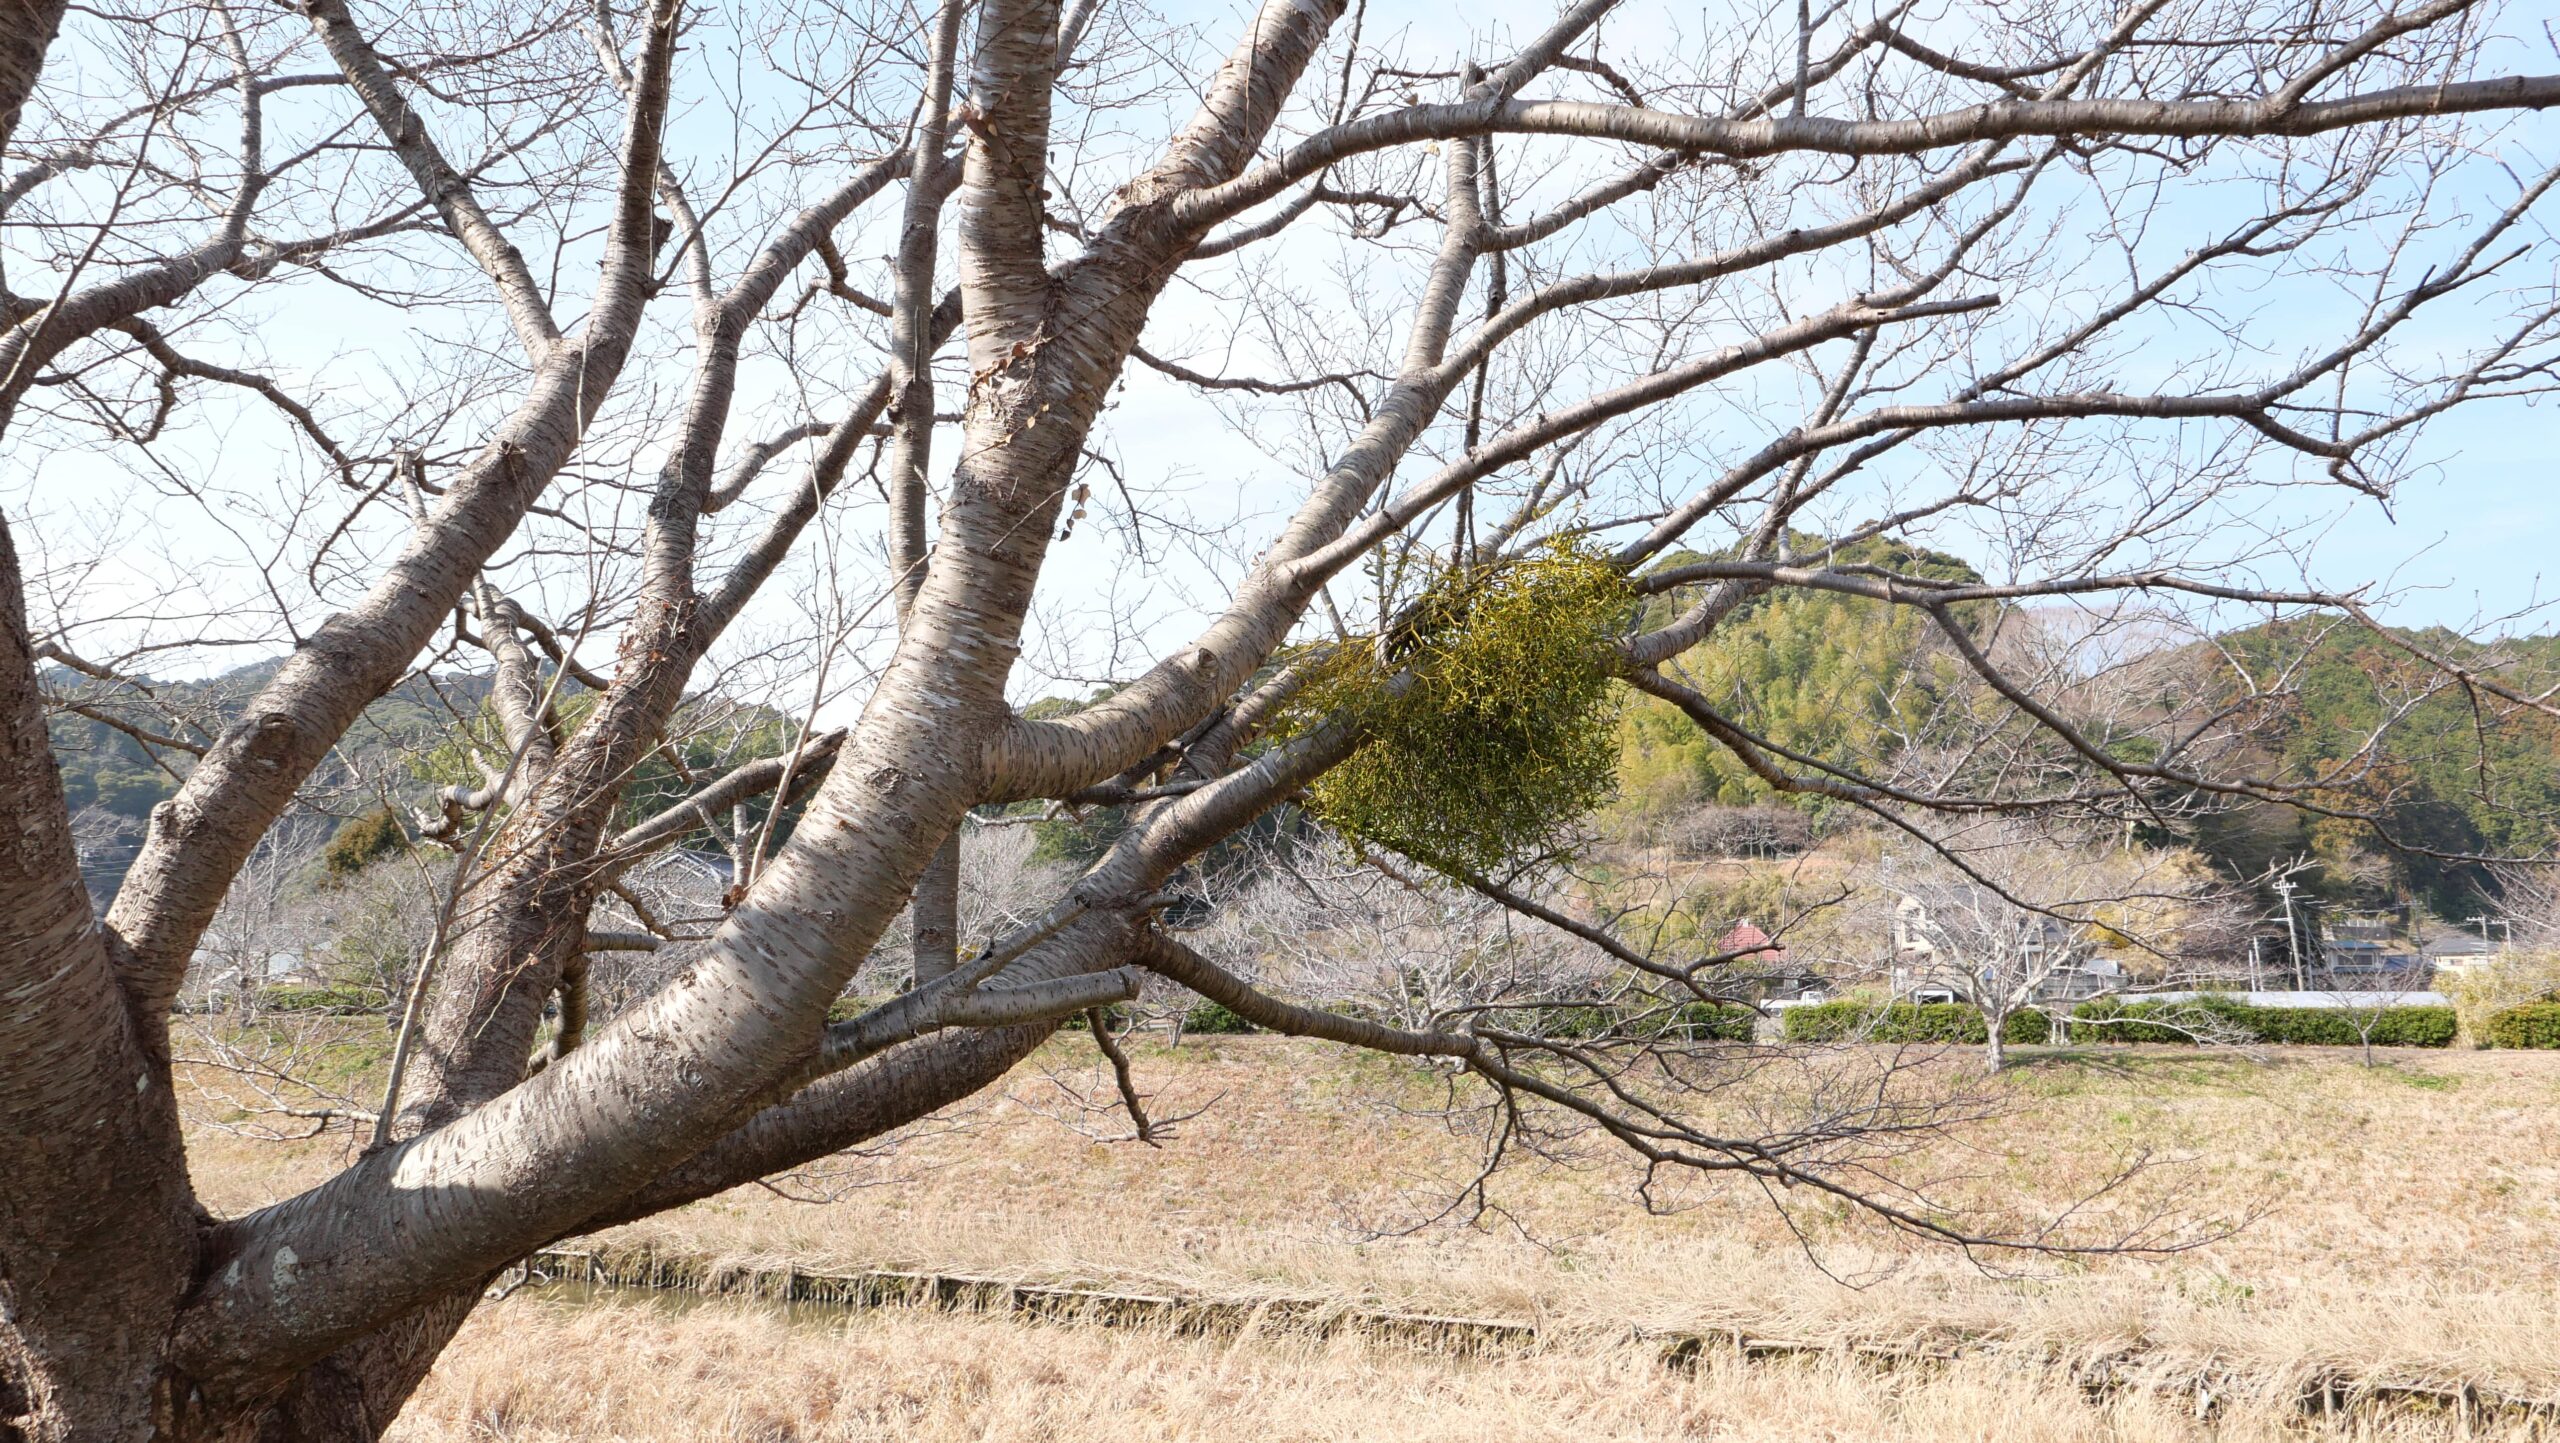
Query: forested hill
column 112, row 776
column 114, row 745
column 1864, row 685
column 1855, row 683
column 2457, row 769
column 109, row 768
column 1838, row 677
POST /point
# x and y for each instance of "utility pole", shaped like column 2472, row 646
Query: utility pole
column 2292, row 936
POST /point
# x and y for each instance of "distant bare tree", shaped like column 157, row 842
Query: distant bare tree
column 258, row 928
column 370, row 929
column 1401, row 944
column 661, row 351
column 1759, row 831
column 1999, row 918
column 2013, row 918
column 2368, row 1006
column 2528, row 914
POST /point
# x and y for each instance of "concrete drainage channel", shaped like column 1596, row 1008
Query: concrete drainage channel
column 593, row 1271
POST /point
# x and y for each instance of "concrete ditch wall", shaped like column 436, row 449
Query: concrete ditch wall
column 2331, row 1395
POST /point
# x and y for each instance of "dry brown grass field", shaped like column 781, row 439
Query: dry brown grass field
column 2402, row 1221
column 542, row 1372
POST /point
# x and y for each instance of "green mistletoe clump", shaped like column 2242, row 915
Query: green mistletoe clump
column 1490, row 717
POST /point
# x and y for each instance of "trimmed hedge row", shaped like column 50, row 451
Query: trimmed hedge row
column 2111, row 1019
column 2116, row 1019
column 2335, row 1027
column 1716, row 1022
column 1907, row 1022
column 326, row 1001
column 1215, row 1019
column 2535, row 1024
column 1692, row 1021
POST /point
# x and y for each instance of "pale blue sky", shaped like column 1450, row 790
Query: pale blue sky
column 2467, row 540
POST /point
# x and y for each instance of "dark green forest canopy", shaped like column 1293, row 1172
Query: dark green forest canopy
column 2446, row 769
column 2455, row 769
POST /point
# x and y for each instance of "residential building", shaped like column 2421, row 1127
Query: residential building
column 1762, row 969
column 2363, row 954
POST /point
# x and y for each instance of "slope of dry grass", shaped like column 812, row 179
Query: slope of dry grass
column 2410, row 1213
column 2407, row 1214
column 531, row 1371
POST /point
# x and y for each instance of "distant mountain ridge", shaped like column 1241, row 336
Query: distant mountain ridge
column 112, row 779
column 113, row 771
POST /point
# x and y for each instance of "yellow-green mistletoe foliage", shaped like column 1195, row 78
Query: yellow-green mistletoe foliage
column 1505, row 733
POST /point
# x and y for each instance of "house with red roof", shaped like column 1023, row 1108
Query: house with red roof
column 1755, row 957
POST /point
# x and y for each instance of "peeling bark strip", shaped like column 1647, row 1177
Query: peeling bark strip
column 124, row 1313
column 2327, row 1395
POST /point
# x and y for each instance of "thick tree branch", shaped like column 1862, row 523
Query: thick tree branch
column 2268, row 115
column 199, row 838
column 528, row 308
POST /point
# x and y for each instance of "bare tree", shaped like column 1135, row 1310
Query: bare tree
column 2368, row 1006
column 1398, row 943
column 2007, row 920
column 1758, row 831
column 2528, row 914
column 1595, row 293
column 257, row 934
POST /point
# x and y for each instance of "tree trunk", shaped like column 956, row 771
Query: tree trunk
column 97, row 1221
column 26, row 32
column 937, row 914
